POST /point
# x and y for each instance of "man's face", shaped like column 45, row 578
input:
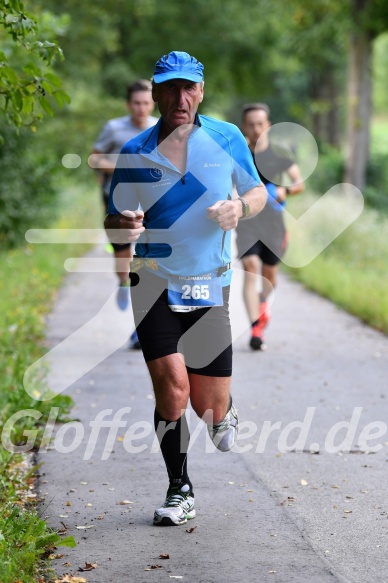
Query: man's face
column 141, row 106
column 255, row 123
column 178, row 100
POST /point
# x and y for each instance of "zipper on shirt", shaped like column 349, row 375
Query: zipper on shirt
column 224, row 233
column 183, row 180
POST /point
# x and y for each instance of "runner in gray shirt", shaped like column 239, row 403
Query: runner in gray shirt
column 113, row 136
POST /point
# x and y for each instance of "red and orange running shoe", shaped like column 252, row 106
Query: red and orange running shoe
column 257, row 339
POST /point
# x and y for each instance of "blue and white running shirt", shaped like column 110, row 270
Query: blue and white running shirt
column 178, row 233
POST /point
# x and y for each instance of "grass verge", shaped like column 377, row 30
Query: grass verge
column 29, row 277
column 351, row 271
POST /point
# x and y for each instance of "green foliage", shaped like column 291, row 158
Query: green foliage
column 329, row 170
column 380, row 69
column 29, row 277
column 28, row 85
column 351, row 271
column 24, row 539
column 27, row 185
column 376, row 190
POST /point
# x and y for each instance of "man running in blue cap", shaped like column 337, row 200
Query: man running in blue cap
column 171, row 192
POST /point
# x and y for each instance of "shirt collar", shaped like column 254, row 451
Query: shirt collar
column 152, row 140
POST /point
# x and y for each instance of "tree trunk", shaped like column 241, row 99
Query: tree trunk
column 359, row 105
column 324, row 96
column 333, row 115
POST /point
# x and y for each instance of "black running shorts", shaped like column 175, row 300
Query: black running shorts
column 264, row 235
column 203, row 336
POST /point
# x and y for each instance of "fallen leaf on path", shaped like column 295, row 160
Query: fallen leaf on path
column 190, row 530
column 271, row 571
column 176, row 576
column 71, row 579
column 152, row 567
column 89, row 504
column 100, row 517
column 68, row 503
column 88, row 567
column 334, row 486
column 348, row 511
column 349, row 497
column 85, row 527
column 164, row 556
column 83, row 483
column 123, row 502
column 303, row 483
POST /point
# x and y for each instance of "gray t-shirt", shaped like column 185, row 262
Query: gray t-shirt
column 114, row 135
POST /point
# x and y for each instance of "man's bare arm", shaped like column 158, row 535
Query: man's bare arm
column 125, row 227
column 227, row 213
column 103, row 163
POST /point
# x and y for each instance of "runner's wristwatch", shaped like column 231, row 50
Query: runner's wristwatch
column 245, row 206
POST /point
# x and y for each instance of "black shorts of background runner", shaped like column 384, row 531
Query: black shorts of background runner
column 264, row 253
column 265, row 236
column 160, row 329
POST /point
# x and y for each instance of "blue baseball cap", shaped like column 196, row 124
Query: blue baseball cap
column 178, row 65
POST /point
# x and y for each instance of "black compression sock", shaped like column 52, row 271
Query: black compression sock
column 174, row 438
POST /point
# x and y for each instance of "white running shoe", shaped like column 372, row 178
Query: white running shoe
column 178, row 507
column 224, row 434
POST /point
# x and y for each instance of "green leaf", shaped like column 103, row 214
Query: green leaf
column 54, row 80
column 32, row 69
column 46, row 106
column 17, row 100
column 61, row 97
column 31, row 88
column 58, row 98
column 10, row 74
column 47, row 87
column 66, row 97
column 68, row 541
column 48, row 540
column 28, row 105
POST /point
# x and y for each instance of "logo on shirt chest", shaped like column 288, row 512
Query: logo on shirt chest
column 211, row 165
column 157, row 172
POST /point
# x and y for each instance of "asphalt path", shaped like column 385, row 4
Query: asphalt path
column 265, row 512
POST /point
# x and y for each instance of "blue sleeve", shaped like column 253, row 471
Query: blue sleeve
column 123, row 191
column 245, row 175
